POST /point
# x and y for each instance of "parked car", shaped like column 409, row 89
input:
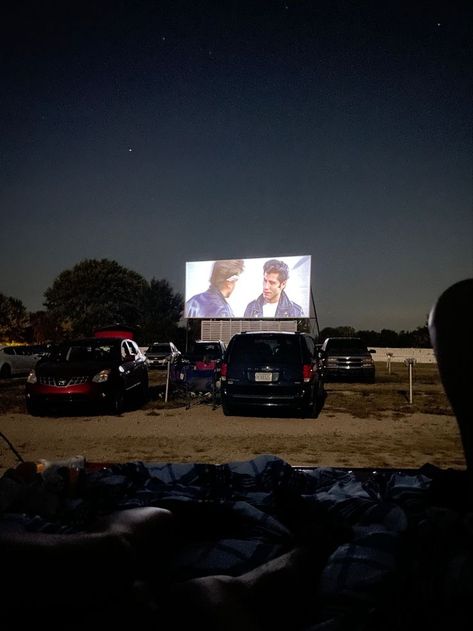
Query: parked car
column 103, row 372
column 347, row 359
column 272, row 370
column 160, row 353
column 199, row 368
column 19, row 360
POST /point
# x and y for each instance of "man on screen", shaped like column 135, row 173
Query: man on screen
column 213, row 302
column 273, row 302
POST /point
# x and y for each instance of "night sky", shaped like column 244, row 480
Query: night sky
column 155, row 133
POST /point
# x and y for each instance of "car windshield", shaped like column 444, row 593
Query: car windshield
column 159, row 348
column 90, row 351
column 347, row 344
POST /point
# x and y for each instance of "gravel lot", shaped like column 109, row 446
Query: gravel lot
column 360, row 426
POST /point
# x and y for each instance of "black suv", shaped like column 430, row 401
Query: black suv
column 272, row 370
column 99, row 371
column 347, row 359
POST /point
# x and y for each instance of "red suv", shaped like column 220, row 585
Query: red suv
column 103, row 371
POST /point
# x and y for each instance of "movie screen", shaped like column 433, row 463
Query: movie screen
column 270, row 287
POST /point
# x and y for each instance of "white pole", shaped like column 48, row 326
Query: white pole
column 410, row 383
column 409, row 362
column 167, row 382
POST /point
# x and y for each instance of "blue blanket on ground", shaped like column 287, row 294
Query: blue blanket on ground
column 390, row 535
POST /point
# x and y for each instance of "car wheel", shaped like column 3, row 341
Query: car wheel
column 5, row 372
column 313, row 409
column 309, row 411
column 117, row 401
column 228, row 410
column 319, row 398
column 143, row 391
column 34, row 408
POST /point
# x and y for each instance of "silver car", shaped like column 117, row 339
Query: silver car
column 19, row 360
column 160, row 353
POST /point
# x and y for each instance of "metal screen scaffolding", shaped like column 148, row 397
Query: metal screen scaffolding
column 225, row 329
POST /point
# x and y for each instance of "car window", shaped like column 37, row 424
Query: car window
column 127, row 349
column 134, row 350
column 345, row 345
column 210, row 349
column 310, row 344
column 266, row 348
column 159, row 348
column 81, row 352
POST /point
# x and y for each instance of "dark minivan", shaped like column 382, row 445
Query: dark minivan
column 271, row 370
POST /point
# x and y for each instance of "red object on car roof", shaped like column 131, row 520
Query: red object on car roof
column 115, row 330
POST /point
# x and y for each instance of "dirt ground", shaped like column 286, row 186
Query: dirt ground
column 360, row 425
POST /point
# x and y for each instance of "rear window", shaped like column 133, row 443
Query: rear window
column 208, row 350
column 266, row 348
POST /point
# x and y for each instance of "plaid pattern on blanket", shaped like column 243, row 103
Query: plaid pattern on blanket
column 382, row 530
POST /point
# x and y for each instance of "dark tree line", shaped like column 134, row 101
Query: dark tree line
column 100, row 292
column 418, row 338
column 93, row 294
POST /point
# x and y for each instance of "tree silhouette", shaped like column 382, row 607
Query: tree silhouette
column 96, row 293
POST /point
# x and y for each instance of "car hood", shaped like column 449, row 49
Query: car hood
column 71, row 369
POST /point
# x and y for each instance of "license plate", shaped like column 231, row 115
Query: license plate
column 263, row 376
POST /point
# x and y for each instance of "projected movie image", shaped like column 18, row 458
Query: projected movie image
column 270, row 287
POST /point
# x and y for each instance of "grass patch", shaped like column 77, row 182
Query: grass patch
column 12, row 396
column 390, row 394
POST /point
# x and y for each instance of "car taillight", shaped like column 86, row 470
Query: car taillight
column 223, row 370
column 307, row 372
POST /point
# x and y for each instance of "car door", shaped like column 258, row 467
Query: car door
column 20, row 361
column 130, row 374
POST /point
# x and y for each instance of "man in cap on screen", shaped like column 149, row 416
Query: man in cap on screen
column 213, row 302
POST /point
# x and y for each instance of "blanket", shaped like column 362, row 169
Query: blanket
column 398, row 542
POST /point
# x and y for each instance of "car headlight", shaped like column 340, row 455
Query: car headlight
column 102, row 376
column 32, row 378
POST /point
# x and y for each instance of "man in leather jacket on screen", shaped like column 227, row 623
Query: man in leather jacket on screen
column 274, row 302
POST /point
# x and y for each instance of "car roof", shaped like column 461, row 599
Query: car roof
column 209, row 342
column 270, row 332
column 95, row 340
column 342, row 337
